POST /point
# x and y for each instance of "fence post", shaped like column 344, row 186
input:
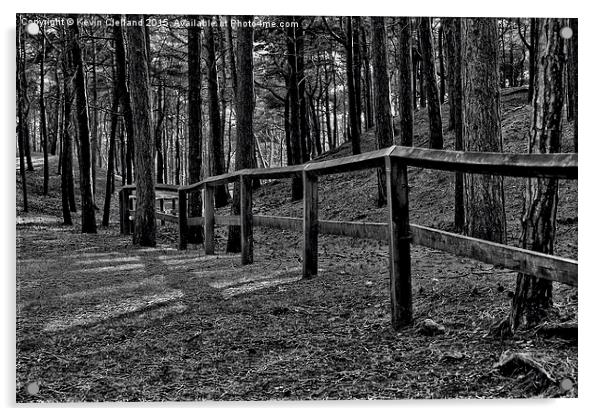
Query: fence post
column 399, row 245
column 246, row 219
column 209, row 220
column 183, row 219
column 162, row 209
column 310, row 225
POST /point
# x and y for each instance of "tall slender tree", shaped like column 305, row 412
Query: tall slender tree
column 406, row 89
column 139, row 87
column 215, row 144
column 83, row 132
column 454, row 75
column 110, row 183
column 482, row 130
column 384, row 127
column 20, row 114
column 294, row 111
column 245, row 105
column 124, row 100
column 430, row 80
column 195, row 131
column 533, row 297
column 573, row 84
column 43, row 125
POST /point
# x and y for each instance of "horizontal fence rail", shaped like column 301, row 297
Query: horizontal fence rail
column 397, row 231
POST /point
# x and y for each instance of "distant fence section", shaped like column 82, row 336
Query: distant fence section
column 397, row 231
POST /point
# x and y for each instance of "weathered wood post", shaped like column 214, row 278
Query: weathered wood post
column 162, row 209
column 246, row 219
column 209, row 219
column 399, row 244
column 310, row 224
column 183, row 219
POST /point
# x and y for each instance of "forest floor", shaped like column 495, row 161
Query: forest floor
column 101, row 320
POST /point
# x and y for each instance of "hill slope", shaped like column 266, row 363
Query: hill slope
column 101, row 320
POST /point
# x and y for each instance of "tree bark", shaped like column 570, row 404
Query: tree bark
column 384, row 127
column 484, row 194
column 357, row 69
column 216, row 145
column 432, row 93
column 352, row 107
column 109, row 188
column 43, row 126
column 21, row 120
column 195, row 132
column 442, row 74
column 454, row 76
column 94, row 143
column 245, row 105
column 296, row 153
column 160, row 156
column 367, row 80
column 83, row 134
column 534, row 36
column 139, row 87
column 67, row 191
column 303, row 108
column 533, row 297
column 406, row 93
column 573, row 70
column 125, row 100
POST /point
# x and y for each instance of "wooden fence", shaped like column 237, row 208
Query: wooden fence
column 397, row 231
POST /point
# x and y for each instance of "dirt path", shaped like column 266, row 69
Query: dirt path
column 98, row 319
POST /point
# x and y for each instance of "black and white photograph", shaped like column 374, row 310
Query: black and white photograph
column 293, row 208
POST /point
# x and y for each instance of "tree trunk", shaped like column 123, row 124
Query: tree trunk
column 384, row 128
column 21, row 119
column 442, row 74
column 109, row 188
column 484, row 194
column 533, row 297
column 139, row 87
column 454, row 76
column 573, row 70
column 178, row 161
column 83, row 133
column 326, row 103
column 335, row 127
column 67, row 191
column 296, row 153
column 216, row 145
column 353, row 125
column 432, row 93
column 287, row 128
column 303, row 110
column 43, row 127
column 24, row 119
column 367, row 81
column 406, row 94
column 160, row 158
column 94, row 145
column 245, row 104
column 315, row 125
column 357, row 70
column 57, row 110
column 125, row 100
column 534, row 36
column 195, row 132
